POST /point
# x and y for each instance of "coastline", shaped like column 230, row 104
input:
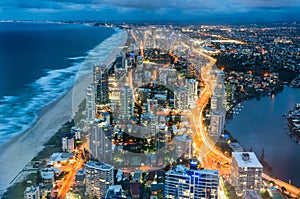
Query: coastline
column 16, row 153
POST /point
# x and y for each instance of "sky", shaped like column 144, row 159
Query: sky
column 210, row 11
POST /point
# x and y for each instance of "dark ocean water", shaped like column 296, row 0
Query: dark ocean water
column 38, row 63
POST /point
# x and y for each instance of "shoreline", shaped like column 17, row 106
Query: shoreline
column 293, row 120
column 18, row 152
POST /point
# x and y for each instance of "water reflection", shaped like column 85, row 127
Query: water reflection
column 261, row 125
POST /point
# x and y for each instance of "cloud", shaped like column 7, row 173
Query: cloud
column 198, row 4
column 148, row 9
column 42, row 10
column 212, row 5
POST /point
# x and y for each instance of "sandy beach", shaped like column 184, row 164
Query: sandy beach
column 17, row 153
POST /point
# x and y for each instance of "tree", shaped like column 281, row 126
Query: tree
column 283, row 189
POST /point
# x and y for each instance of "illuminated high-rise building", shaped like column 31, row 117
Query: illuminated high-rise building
column 185, row 183
column 114, row 94
column 218, row 102
column 126, row 102
column 90, row 103
column 181, row 98
column 246, row 173
column 218, row 98
column 100, row 144
column 99, row 176
column 101, row 84
column 192, row 89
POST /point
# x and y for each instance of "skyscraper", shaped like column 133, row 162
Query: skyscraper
column 90, row 103
column 185, row 183
column 218, row 98
column 192, row 88
column 246, row 172
column 100, row 144
column 99, row 176
column 126, row 102
column 181, row 98
column 101, row 84
column 217, row 109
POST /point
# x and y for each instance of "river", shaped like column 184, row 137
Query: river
column 261, row 125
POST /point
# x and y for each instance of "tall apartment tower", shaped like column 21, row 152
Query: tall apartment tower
column 192, row 88
column 99, row 176
column 90, row 103
column 100, row 144
column 100, row 78
column 185, row 183
column 218, row 100
column 126, row 102
column 246, row 172
column 181, row 98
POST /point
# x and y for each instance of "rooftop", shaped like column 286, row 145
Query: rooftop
column 246, row 159
column 99, row 165
column 59, row 157
column 115, row 192
column 31, row 189
column 47, row 175
column 185, row 137
column 181, row 170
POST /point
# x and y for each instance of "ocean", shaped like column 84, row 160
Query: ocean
column 39, row 62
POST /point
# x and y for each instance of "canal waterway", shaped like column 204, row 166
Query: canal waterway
column 261, row 125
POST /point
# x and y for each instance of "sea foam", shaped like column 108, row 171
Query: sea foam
column 18, row 113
